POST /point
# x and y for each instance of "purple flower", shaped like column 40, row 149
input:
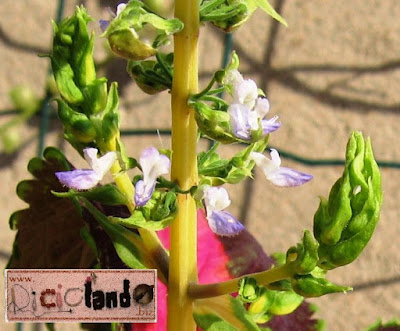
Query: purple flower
column 85, row 179
column 244, row 120
column 153, row 165
column 248, row 110
column 277, row 175
column 105, row 23
column 221, row 222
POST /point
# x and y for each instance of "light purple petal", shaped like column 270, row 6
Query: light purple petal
column 239, row 120
column 288, row 177
column 153, row 164
column 80, row 179
column 104, row 25
column 246, row 93
column 216, row 198
column 223, row 223
column 143, row 192
column 270, row 125
column 100, row 165
column 262, row 107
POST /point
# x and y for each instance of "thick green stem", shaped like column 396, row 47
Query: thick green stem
column 197, row 291
column 183, row 256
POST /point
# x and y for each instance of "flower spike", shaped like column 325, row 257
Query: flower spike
column 153, row 165
column 221, row 222
column 85, row 179
column 277, row 175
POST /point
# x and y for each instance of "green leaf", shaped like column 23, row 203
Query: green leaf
column 127, row 244
column 107, row 194
column 265, row 6
column 222, row 313
column 393, row 325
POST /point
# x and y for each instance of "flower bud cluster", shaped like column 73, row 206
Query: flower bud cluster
column 86, row 109
column 345, row 222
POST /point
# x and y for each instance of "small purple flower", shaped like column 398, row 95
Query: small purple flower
column 277, row 175
column 245, row 120
column 248, row 110
column 105, row 23
column 221, row 222
column 153, row 165
column 85, row 179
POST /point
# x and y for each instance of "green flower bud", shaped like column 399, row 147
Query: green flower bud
column 261, row 304
column 126, row 44
column 345, row 222
column 271, row 303
column 304, row 256
column 135, row 34
column 285, row 302
column 248, row 289
column 77, row 124
column 213, row 123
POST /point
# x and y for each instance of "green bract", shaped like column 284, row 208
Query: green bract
column 157, row 214
column 304, row 256
column 72, row 59
column 215, row 171
column 136, row 33
column 310, row 286
column 229, row 15
column 344, row 223
column 153, row 76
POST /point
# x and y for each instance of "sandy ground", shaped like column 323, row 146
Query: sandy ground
column 334, row 70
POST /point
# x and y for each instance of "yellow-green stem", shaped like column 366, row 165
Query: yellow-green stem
column 183, row 256
column 197, row 291
column 150, row 239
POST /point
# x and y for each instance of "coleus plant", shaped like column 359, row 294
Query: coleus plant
column 215, row 274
